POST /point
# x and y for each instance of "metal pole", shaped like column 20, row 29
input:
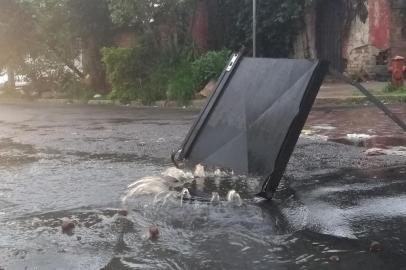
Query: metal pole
column 254, row 28
column 371, row 98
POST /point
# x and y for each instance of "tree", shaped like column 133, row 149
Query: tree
column 90, row 23
column 16, row 31
column 153, row 19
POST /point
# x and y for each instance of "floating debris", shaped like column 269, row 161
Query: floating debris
column 68, row 225
column 375, row 247
column 153, row 233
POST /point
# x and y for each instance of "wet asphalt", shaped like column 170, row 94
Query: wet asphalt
column 77, row 161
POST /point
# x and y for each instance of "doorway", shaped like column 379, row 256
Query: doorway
column 330, row 31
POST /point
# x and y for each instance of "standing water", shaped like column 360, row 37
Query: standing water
column 58, row 166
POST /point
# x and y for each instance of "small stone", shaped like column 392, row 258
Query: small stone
column 67, row 226
column 375, row 247
column 153, row 233
column 122, row 212
column 334, row 258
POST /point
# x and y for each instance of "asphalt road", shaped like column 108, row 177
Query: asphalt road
column 77, row 161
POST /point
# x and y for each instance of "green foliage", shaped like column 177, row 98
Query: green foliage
column 136, row 74
column 182, row 85
column 130, row 71
column 123, row 72
column 76, row 89
column 390, row 88
column 278, row 22
column 209, row 66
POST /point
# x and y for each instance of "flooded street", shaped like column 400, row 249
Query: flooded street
column 339, row 207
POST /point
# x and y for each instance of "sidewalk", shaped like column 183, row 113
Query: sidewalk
column 341, row 93
column 343, row 90
column 330, row 94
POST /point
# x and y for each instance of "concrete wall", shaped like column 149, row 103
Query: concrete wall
column 358, row 50
column 365, row 41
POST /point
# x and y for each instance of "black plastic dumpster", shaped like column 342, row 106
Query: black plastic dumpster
column 253, row 120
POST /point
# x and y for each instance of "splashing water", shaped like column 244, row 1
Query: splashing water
column 146, row 186
column 185, row 194
column 178, row 174
column 199, row 171
column 215, row 198
column 234, row 197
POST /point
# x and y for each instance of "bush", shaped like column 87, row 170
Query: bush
column 182, row 86
column 209, row 66
column 156, row 84
column 134, row 73
column 390, row 88
column 126, row 71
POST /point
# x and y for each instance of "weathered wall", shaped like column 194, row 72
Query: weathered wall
column 379, row 12
column 398, row 29
column 368, row 40
column 357, row 49
column 365, row 40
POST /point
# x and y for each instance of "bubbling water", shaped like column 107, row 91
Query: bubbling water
column 185, row 194
column 234, row 198
column 215, row 198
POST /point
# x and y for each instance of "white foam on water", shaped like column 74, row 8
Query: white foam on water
column 185, row 194
column 234, row 197
column 146, row 186
column 324, row 127
column 178, row 174
column 355, row 137
column 215, row 198
column 199, row 171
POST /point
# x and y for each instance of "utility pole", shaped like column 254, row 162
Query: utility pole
column 254, row 28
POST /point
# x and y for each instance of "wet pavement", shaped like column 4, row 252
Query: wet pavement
column 76, row 162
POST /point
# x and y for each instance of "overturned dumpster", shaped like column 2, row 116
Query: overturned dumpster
column 253, row 120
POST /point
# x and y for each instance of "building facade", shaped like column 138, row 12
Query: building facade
column 359, row 39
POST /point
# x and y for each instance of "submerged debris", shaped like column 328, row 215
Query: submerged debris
column 67, row 226
column 153, row 233
column 375, row 247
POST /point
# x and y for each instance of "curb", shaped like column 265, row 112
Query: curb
column 199, row 103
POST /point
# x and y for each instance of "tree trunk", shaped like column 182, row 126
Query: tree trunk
column 93, row 66
column 11, row 78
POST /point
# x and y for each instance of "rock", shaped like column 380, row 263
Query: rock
column 153, row 233
column 375, row 247
column 208, row 89
column 67, row 226
column 334, row 258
